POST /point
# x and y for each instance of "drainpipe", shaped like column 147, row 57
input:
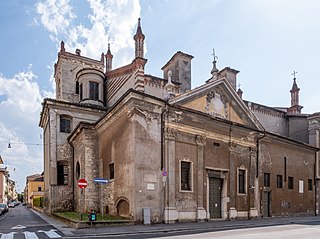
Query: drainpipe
column 73, row 197
column 257, row 159
column 316, row 165
column 162, row 152
column 257, row 164
column 316, row 183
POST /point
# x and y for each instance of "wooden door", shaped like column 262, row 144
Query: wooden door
column 215, row 188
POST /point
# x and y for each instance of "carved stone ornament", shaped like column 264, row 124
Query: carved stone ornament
column 253, row 150
column 176, row 116
column 171, row 133
column 201, row 139
column 146, row 114
column 217, row 104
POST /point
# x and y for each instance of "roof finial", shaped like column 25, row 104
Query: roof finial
column 294, row 74
column 239, row 91
column 214, row 67
column 109, row 57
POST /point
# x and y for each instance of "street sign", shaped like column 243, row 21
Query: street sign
column 101, row 180
column 164, row 172
column 82, row 183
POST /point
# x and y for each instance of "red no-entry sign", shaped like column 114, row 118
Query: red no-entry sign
column 82, row 183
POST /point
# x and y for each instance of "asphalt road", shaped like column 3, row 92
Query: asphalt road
column 23, row 223
column 293, row 231
column 20, row 222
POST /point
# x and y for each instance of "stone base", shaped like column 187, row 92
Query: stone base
column 233, row 213
column 170, row 215
column 201, row 214
column 253, row 213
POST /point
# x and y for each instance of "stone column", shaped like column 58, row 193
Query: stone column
column 201, row 212
column 170, row 210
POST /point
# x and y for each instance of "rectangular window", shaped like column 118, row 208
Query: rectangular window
column 310, row 188
column 290, row 182
column 93, row 90
column 301, row 186
column 65, row 124
column 186, row 176
column 81, row 92
column 39, row 189
column 267, row 179
column 62, row 174
column 111, row 171
column 242, row 181
column 279, row 181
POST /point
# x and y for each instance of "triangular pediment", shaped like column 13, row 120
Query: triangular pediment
column 218, row 99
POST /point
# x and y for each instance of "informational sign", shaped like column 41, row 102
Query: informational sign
column 82, row 183
column 101, row 180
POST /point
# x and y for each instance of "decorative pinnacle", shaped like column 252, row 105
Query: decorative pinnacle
column 214, row 67
column 108, row 52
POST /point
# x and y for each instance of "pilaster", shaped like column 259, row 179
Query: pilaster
column 201, row 212
column 170, row 210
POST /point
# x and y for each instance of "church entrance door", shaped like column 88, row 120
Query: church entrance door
column 215, row 188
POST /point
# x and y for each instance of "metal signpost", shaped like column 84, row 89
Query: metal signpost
column 101, row 181
column 82, row 183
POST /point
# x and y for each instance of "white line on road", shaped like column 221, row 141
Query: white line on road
column 51, row 233
column 7, row 236
column 30, row 235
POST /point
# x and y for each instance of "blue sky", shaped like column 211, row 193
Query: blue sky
column 266, row 40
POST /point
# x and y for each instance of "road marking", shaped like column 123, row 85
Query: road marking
column 8, row 235
column 30, row 235
column 52, row 233
column 18, row 227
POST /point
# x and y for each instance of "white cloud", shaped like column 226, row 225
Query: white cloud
column 20, row 105
column 21, row 91
column 107, row 23
column 56, row 15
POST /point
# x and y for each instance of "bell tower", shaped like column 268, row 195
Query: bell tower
column 295, row 107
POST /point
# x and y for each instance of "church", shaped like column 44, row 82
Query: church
column 182, row 154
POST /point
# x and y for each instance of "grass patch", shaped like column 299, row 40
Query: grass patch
column 75, row 216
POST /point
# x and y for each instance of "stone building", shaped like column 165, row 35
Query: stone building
column 185, row 154
column 4, row 184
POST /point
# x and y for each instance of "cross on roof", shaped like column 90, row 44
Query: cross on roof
column 294, row 74
column 214, row 55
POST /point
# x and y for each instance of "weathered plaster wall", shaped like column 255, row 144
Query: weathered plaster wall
column 277, row 158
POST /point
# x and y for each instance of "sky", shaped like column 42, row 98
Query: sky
column 266, row 40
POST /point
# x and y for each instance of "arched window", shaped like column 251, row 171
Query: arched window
column 77, row 87
column 77, row 170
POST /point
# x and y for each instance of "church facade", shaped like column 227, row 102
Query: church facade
column 184, row 154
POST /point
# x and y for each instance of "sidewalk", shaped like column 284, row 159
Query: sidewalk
column 195, row 226
column 178, row 227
